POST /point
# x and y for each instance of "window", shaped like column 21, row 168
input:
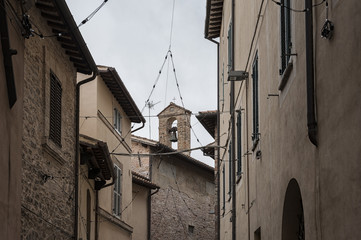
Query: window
column 55, row 110
column 117, row 193
column 230, row 47
column 286, row 43
column 255, row 135
column 230, row 174
column 117, row 121
column 239, row 144
column 224, row 189
column 257, row 234
column 190, row 228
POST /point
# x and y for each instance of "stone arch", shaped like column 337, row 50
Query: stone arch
column 293, row 227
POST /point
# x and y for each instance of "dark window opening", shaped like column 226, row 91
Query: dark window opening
column 255, row 135
column 230, row 174
column 286, row 44
column 55, row 110
column 239, row 144
column 190, row 229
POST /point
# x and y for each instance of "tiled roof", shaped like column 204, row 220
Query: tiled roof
column 141, row 180
column 120, row 92
column 213, row 19
column 209, row 121
column 60, row 20
column 161, row 148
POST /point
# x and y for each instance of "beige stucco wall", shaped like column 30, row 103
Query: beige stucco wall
column 140, row 212
column 327, row 174
column 96, row 120
column 11, row 140
column 86, row 185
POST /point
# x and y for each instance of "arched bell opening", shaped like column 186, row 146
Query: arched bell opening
column 173, row 134
column 293, row 226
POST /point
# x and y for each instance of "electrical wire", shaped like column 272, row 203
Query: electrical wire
column 297, row 10
column 162, row 154
column 92, row 14
column 181, row 98
column 70, row 236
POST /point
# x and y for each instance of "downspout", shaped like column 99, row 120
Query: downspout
column 217, row 174
column 310, row 76
column 247, row 156
column 76, row 162
column 143, row 124
column 96, row 215
column 234, row 214
column 149, row 212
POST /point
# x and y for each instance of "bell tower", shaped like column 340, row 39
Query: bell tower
column 174, row 126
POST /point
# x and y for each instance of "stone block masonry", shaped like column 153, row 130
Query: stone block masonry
column 47, row 204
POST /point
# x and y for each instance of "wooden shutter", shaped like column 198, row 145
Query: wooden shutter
column 55, row 110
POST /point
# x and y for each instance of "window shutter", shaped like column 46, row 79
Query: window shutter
column 55, row 110
column 239, row 143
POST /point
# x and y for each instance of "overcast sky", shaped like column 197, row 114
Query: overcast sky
column 134, row 37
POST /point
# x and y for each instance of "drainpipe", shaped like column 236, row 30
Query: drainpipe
column 149, row 212
column 234, row 214
column 143, row 124
column 96, row 214
column 310, row 77
column 76, row 162
column 217, row 174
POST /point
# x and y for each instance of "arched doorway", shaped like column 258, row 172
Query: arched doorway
column 293, row 227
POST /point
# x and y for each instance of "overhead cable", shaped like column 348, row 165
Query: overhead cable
column 92, row 14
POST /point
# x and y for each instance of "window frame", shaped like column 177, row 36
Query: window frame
column 230, row 171
column 255, row 100
column 239, row 143
column 224, row 189
column 117, row 192
column 230, row 46
column 286, row 35
column 117, row 121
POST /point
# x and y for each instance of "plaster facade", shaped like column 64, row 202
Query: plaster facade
column 289, row 188
column 96, row 120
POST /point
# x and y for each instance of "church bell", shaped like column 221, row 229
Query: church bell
column 173, row 134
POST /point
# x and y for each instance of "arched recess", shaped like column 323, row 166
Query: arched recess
column 173, row 123
column 293, row 226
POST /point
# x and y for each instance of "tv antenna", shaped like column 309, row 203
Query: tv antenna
column 150, row 105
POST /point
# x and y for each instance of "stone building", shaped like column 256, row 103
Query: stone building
column 183, row 208
column 107, row 112
column 54, row 51
column 11, row 112
column 288, row 101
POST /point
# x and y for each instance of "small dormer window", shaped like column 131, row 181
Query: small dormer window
column 117, row 121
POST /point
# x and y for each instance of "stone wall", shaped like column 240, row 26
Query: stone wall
column 48, row 170
column 167, row 117
column 184, row 206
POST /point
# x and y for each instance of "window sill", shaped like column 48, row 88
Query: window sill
column 53, row 150
column 285, row 76
column 114, row 220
